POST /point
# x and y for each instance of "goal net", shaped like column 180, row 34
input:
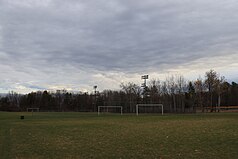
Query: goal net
column 109, row 109
column 149, row 108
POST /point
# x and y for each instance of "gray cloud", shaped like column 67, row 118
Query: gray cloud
column 59, row 43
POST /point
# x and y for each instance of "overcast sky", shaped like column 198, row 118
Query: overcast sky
column 76, row 44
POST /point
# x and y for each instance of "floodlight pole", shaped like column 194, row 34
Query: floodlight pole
column 95, row 89
column 137, row 110
column 95, row 94
column 144, row 77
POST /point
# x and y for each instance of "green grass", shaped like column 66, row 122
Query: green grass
column 86, row 135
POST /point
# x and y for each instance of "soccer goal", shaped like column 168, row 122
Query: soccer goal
column 33, row 109
column 149, row 105
column 112, row 109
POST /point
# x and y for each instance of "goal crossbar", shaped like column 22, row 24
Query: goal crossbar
column 149, row 105
column 109, row 107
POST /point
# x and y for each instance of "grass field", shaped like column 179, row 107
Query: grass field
column 86, row 135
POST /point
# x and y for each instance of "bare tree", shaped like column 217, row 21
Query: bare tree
column 60, row 95
column 154, row 89
column 199, row 89
column 14, row 99
column 133, row 92
column 172, row 87
column 220, row 88
column 190, row 96
column 164, row 88
column 181, row 89
column 211, row 82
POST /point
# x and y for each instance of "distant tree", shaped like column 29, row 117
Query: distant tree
column 191, row 95
column 33, row 99
column 220, row 89
column 226, row 94
column 164, row 88
column 67, row 103
column 191, row 88
column 175, row 93
column 14, row 99
column 60, row 95
column 4, row 104
column 181, row 89
column 133, row 93
column 234, row 93
column 45, row 102
column 154, row 90
column 199, row 89
column 172, row 87
column 211, row 81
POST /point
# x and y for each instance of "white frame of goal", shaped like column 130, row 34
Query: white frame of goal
column 149, row 105
column 32, row 109
column 109, row 107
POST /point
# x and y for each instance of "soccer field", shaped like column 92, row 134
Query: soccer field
column 86, row 135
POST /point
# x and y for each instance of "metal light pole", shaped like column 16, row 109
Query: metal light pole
column 95, row 89
column 145, row 77
column 143, row 85
column 95, row 94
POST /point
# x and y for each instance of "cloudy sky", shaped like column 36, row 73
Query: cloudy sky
column 76, row 44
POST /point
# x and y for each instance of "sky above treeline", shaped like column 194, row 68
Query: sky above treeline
column 76, row 44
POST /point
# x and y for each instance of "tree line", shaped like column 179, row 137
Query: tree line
column 175, row 93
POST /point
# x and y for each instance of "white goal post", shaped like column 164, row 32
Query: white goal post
column 99, row 108
column 149, row 105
